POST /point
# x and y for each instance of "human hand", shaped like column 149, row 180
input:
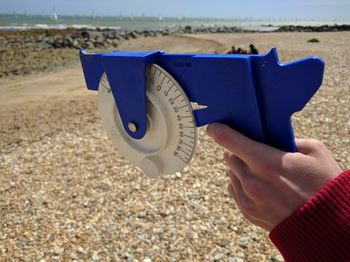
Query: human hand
column 268, row 184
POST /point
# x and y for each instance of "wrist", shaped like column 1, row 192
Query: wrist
column 320, row 228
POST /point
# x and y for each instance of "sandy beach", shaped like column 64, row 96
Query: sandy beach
column 66, row 194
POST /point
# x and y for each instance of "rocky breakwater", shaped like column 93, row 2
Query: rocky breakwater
column 212, row 29
column 106, row 38
column 322, row 28
column 23, row 52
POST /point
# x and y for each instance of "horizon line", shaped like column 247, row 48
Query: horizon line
column 182, row 17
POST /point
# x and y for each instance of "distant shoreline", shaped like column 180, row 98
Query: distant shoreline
column 192, row 29
column 122, row 22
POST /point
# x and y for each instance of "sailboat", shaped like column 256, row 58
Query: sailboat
column 93, row 16
column 53, row 15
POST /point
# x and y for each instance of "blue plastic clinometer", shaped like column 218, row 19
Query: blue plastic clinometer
column 146, row 100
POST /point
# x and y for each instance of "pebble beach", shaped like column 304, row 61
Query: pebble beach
column 67, row 195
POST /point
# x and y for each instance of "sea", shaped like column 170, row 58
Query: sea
column 12, row 22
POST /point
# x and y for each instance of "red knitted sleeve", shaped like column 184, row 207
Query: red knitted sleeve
column 320, row 229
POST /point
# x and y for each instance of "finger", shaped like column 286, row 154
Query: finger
column 237, row 181
column 234, row 188
column 232, row 192
column 237, row 166
column 251, row 152
column 240, row 196
column 303, row 146
column 309, row 146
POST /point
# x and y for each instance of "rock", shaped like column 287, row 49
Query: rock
column 147, row 259
column 89, row 45
column 57, row 250
column 158, row 230
column 223, row 242
column 81, row 250
column 85, row 34
column 188, row 29
column 165, row 32
column 243, row 242
column 110, row 35
column 129, row 257
column 76, row 44
column 56, row 43
column 146, row 33
column 151, row 33
column 74, row 256
column 132, row 35
column 125, row 35
column 219, row 256
column 221, row 30
column 109, row 42
column 115, row 43
column 194, row 196
column 313, row 40
column 67, row 42
column 277, row 258
column 234, row 259
column 99, row 41
column 95, row 256
column 141, row 214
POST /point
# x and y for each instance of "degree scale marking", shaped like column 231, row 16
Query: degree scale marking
column 183, row 112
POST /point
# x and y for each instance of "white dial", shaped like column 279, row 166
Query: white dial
column 171, row 135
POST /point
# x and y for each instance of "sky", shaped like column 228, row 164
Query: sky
column 275, row 9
